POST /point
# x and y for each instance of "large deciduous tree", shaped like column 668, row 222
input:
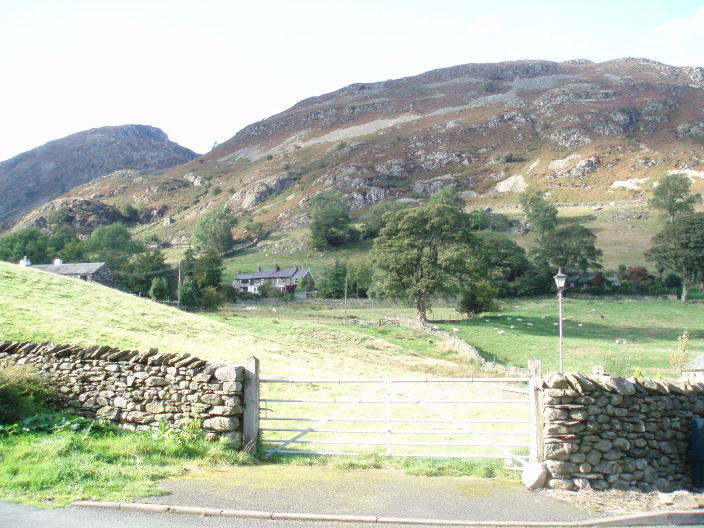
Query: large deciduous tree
column 111, row 244
column 570, row 247
column 29, row 242
column 424, row 251
column 214, row 231
column 498, row 257
column 140, row 271
column 679, row 248
column 447, row 196
column 330, row 220
column 539, row 212
column 672, row 196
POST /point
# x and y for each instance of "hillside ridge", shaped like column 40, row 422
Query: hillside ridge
column 580, row 131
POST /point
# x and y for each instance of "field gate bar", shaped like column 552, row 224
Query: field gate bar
column 493, row 418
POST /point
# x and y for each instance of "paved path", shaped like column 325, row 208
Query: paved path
column 380, row 493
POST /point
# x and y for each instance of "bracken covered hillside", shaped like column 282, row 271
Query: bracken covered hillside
column 34, row 177
column 584, row 132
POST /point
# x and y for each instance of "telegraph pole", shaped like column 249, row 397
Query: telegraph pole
column 178, row 289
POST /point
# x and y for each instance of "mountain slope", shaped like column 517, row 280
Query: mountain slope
column 581, row 131
column 34, row 177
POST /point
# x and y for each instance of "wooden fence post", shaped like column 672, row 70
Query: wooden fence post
column 250, row 416
column 535, row 402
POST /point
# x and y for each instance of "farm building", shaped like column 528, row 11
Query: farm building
column 282, row 279
column 87, row 271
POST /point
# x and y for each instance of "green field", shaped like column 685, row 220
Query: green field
column 295, row 340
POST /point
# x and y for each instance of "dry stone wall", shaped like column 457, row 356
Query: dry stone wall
column 137, row 390
column 604, row 432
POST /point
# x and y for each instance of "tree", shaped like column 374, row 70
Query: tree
column 424, row 251
column 141, row 269
column 330, row 220
column 210, row 298
column 479, row 297
column 58, row 217
column 570, row 248
column 447, row 196
column 679, row 248
column 60, row 237
column 637, row 273
column 539, row 212
column 255, row 229
column 29, row 242
column 479, row 219
column 307, row 284
column 207, row 269
column 190, row 298
column 214, row 231
column 360, row 273
column 672, row 196
column 266, row 290
column 499, row 257
column 159, row 289
column 374, row 219
column 111, row 244
column 333, row 283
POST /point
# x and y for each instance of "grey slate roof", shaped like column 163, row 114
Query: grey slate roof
column 292, row 273
column 81, row 268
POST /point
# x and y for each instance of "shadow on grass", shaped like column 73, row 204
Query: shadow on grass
column 548, row 327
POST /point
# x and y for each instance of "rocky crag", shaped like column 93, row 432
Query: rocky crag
column 34, row 177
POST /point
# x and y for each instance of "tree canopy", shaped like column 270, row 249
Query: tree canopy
column 679, row 248
column 673, row 196
column 111, row 244
column 330, row 220
column 479, row 297
column 424, row 251
column 29, row 242
column 374, row 219
column 499, row 257
column 214, row 231
column 539, row 212
column 447, row 196
column 570, row 248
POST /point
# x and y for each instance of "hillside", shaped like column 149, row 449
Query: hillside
column 39, row 306
column 34, row 177
column 583, row 132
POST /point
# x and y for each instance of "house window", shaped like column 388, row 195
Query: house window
column 279, row 282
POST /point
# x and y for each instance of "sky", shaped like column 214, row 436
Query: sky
column 201, row 71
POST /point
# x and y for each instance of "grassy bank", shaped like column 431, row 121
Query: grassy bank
column 56, row 468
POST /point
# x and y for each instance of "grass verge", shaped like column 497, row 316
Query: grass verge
column 52, row 469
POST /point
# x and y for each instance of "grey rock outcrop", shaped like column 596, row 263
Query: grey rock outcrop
column 258, row 191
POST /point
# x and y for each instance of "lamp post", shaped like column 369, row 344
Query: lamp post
column 560, row 279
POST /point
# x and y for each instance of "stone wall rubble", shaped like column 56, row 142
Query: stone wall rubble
column 138, row 390
column 603, row 432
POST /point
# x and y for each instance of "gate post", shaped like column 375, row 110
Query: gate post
column 535, row 402
column 250, row 416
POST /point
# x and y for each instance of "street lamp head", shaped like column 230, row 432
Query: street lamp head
column 560, row 280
